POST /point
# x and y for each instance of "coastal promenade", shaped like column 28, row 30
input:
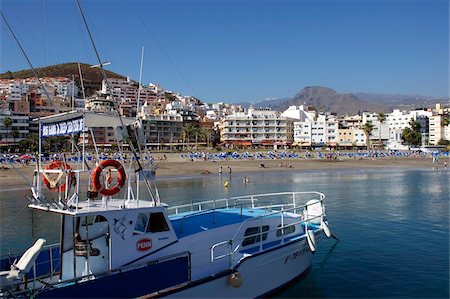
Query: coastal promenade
column 182, row 165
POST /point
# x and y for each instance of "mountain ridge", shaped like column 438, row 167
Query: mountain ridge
column 325, row 99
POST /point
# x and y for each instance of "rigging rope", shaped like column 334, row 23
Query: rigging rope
column 163, row 50
column 109, row 89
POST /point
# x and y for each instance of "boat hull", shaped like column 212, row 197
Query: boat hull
column 261, row 274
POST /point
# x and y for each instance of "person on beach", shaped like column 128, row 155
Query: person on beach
column 220, row 170
column 229, row 169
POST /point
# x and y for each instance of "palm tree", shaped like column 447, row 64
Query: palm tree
column 381, row 118
column 367, row 128
column 7, row 122
column 188, row 130
column 206, row 135
column 15, row 134
column 34, row 141
column 30, row 144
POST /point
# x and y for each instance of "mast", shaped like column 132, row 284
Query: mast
column 84, row 127
column 140, row 82
column 73, row 92
column 127, row 138
column 81, row 80
column 73, row 107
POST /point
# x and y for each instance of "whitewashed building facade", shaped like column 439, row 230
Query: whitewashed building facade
column 257, row 127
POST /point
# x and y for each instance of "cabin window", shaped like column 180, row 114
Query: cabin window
column 141, row 223
column 286, row 230
column 157, row 223
column 150, row 223
column 253, row 232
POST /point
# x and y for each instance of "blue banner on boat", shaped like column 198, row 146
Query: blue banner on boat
column 65, row 127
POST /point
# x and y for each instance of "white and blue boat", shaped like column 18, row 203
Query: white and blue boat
column 121, row 240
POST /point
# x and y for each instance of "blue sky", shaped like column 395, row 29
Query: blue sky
column 243, row 50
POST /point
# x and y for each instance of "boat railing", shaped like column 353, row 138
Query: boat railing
column 252, row 199
column 203, row 206
column 283, row 209
column 258, row 235
column 69, row 199
column 46, row 265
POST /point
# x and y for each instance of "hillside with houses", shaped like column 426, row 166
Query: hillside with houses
column 171, row 120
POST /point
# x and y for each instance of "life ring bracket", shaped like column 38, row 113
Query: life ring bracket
column 59, row 168
column 96, row 175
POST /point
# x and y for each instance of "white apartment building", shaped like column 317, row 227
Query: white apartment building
column 212, row 115
column 66, row 88
column 299, row 113
column 259, row 127
column 399, row 120
column 157, row 89
column 18, row 130
column 319, row 131
column 157, row 107
column 16, row 91
column 437, row 129
column 161, row 129
column 225, row 109
column 380, row 130
column 360, row 138
column 18, row 88
column 99, row 103
column 123, row 90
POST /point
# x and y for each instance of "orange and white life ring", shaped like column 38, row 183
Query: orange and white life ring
column 53, row 185
column 120, row 180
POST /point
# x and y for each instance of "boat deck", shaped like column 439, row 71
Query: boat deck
column 190, row 223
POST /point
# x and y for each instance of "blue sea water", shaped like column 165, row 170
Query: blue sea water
column 393, row 227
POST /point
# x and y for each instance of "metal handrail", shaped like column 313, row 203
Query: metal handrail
column 281, row 212
column 52, row 271
column 202, row 203
column 213, row 258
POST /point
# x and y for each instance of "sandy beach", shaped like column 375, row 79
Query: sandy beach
column 175, row 166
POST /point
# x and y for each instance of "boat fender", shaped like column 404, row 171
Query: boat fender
column 120, row 180
column 235, row 279
column 311, row 240
column 326, row 229
column 314, row 211
column 53, row 185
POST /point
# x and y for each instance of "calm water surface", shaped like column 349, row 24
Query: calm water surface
column 393, row 227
